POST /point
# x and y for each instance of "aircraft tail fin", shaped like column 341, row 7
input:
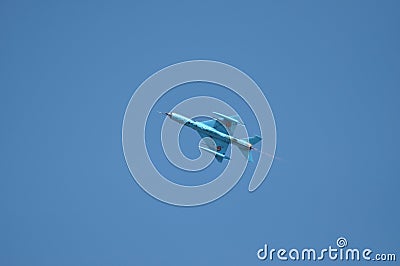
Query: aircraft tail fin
column 255, row 139
column 247, row 154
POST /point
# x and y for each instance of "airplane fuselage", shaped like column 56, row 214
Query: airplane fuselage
column 210, row 131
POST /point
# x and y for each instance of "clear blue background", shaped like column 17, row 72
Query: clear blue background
column 330, row 70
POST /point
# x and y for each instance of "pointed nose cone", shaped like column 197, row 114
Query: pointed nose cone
column 164, row 113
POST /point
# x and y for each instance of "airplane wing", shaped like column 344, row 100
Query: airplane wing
column 224, row 124
column 217, row 125
column 216, row 146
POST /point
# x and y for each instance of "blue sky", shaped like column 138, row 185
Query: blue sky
column 331, row 73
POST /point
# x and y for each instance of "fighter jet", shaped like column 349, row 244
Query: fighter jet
column 220, row 130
